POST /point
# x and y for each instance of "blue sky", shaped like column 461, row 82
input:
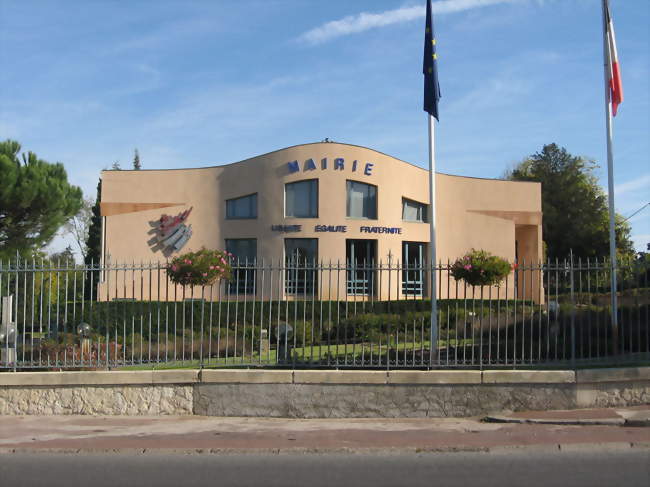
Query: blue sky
column 197, row 83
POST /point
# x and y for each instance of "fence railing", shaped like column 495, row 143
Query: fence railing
column 556, row 313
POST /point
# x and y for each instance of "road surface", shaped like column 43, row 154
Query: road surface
column 528, row 467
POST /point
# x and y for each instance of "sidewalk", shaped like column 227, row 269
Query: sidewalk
column 540, row 429
column 631, row 416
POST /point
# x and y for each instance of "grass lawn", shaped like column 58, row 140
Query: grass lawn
column 337, row 353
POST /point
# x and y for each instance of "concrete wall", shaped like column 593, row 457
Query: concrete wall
column 319, row 394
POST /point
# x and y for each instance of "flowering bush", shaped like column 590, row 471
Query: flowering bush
column 199, row 268
column 480, row 268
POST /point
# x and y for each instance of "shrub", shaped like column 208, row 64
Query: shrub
column 480, row 268
column 199, row 268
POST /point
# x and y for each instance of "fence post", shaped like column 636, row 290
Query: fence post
column 8, row 333
column 573, row 310
column 613, row 266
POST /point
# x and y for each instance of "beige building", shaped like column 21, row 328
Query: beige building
column 323, row 202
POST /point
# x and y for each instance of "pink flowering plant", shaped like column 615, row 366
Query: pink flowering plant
column 480, row 268
column 199, row 268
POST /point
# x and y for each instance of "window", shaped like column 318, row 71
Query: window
column 413, row 268
column 301, row 255
column 244, row 251
column 412, row 211
column 244, row 207
column 361, row 200
column 301, row 199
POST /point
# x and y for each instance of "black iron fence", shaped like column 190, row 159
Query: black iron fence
column 556, row 313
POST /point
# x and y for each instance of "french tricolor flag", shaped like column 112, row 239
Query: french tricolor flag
column 614, row 72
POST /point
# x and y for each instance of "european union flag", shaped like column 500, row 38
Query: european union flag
column 430, row 68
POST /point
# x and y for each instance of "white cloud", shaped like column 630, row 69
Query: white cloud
column 165, row 34
column 641, row 182
column 365, row 20
column 505, row 88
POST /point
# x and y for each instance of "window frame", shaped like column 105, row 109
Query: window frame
column 347, row 199
column 424, row 205
column 317, row 197
column 242, row 217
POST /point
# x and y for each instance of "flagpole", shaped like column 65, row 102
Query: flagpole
column 432, row 240
column 610, row 181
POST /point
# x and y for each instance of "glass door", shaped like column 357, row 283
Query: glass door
column 413, row 268
column 361, row 258
column 301, row 257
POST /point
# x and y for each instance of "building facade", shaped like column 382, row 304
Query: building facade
column 325, row 203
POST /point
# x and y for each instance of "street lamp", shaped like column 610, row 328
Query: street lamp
column 83, row 330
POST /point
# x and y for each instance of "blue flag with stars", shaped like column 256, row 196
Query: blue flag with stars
column 430, row 68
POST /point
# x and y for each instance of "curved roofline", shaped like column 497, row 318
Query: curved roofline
column 306, row 144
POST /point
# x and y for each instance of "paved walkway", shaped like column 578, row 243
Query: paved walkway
column 632, row 416
column 548, row 429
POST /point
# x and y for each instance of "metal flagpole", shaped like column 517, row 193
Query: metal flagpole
column 610, row 177
column 432, row 237
column 431, row 96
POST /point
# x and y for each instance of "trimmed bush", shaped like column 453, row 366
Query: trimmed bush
column 480, row 268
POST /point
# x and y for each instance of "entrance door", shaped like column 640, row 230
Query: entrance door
column 413, row 268
column 361, row 258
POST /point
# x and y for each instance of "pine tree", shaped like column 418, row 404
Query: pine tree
column 94, row 245
column 36, row 199
column 136, row 161
column 94, row 242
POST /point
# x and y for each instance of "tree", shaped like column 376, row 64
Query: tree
column 116, row 166
column 136, row 161
column 94, row 236
column 35, row 200
column 574, row 205
column 65, row 257
column 79, row 225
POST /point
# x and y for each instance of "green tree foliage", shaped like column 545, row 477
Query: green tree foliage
column 64, row 257
column 35, row 200
column 575, row 207
column 94, row 240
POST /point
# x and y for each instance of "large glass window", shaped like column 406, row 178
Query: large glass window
column 361, row 200
column 301, row 256
column 412, row 211
column 244, row 207
column 243, row 277
column 301, row 199
column 413, row 268
column 361, row 261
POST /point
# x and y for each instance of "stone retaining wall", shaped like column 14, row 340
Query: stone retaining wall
column 318, row 394
column 128, row 400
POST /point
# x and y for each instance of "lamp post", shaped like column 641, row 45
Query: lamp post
column 83, row 330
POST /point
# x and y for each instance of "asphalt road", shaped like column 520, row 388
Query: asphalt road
column 526, row 467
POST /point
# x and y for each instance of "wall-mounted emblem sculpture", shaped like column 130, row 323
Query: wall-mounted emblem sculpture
column 171, row 233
